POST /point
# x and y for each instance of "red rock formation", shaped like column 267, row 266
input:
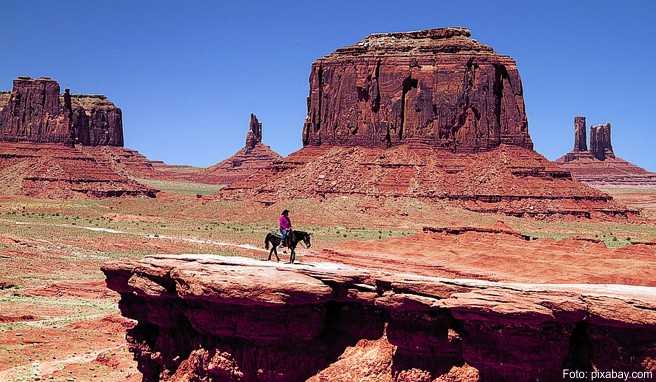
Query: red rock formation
column 509, row 179
column 34, row 113
column 435, row 86
column 248, row 165
column 96, row 121
column 580, row 136
column 207, row 317
column 254, row 136
column 59, row 171
column 599, row 166
column 600, row 145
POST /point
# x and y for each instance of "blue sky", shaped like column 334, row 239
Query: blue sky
column 187, row 74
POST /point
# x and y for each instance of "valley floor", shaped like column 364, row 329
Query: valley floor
column 58, row 321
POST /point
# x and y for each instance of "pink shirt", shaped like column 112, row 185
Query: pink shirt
column 284, row 222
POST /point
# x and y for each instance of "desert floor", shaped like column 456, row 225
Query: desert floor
column 58, row 322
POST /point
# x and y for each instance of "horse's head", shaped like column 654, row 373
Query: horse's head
column 306, row 239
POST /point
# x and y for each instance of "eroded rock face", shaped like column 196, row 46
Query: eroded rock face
column 236, row 319
column 435, row 86
column 36, row 112
column 600, row 145
column 254, row 136
column 96, row 121
column 580, row 136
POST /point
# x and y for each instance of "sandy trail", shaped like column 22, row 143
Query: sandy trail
column 147, row 235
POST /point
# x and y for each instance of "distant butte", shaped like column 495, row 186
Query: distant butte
column 35, row 112
column 62, row 146
column 430, row 114
column 599, row 165
column 436, row 86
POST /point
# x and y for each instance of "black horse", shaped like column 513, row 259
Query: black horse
column 293, row 239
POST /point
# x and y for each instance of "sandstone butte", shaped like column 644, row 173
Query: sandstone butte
column 599, row 165
column 432, row 114
column 208, row 317
column 50, row 142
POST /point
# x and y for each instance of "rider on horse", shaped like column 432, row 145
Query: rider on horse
column 285, row 227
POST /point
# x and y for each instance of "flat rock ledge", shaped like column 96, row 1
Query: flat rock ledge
column 208, row 317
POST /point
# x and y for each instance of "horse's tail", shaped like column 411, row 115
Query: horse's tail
column 266, row 241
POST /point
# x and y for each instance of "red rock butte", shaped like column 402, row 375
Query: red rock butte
column 35, row 111
column 431, row 114
column 63, row 145
column 599, row 165
column 436, row 86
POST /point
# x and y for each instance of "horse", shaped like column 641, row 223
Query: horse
column 293, row 239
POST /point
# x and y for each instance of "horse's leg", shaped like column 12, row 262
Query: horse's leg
column 276, row 253
column 292, row 256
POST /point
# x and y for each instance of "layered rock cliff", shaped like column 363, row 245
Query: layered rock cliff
column 35, row 111
column 204, row 317
column 96, row 121
column 435, row 86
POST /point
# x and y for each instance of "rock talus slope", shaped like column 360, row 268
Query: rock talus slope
column 250, row 165
column 238, row 319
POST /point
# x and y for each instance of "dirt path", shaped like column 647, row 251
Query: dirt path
column 147, row 236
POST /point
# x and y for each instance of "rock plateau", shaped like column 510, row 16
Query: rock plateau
column 204, row 317
column 435, row 86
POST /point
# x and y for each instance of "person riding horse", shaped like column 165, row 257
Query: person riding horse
column 285, row 224
column 288, row 238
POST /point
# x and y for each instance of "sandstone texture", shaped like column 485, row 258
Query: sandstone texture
column 35, row 112
column 435, row 86
column 205, row 317
column 249, row 165
column 599, row 166
column 96, row 121
column 59, row 171
column 509, row 179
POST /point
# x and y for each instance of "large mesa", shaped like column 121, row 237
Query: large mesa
column 431, row 114
column 55, row 144
column 35, row 111
column 436, row 86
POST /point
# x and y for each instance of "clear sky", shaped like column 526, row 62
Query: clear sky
column 188, row 73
